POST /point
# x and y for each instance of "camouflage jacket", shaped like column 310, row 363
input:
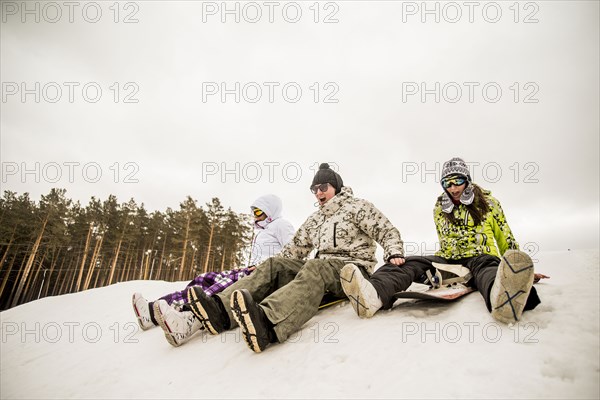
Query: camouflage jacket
column 346, row 228
column 493, row 236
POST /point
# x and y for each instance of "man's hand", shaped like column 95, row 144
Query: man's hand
column 397, row 261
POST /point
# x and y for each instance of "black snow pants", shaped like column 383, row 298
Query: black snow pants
column 390, row 279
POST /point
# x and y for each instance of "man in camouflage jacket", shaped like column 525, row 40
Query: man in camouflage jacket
column 285, row 291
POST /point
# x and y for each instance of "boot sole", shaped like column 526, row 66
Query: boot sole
column 352, row 289
column 514, row 279
column 163, row 324
column 200, row 312
column 137, row 315
column 242, row 316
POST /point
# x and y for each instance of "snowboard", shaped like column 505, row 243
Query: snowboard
column 450, row 293
column 330, row 300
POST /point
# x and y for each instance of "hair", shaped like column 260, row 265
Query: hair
column 478, row 209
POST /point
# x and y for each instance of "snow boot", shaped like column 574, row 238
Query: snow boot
column 360, row 291
column 208, row 310
column 256, row 328
column 142, row 311
column 178, row 326
column 512, row 285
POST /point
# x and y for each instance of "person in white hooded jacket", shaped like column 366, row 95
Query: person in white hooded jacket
column 271, row 231
column 171, row 312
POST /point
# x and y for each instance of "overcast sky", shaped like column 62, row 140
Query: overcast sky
column 517, row 93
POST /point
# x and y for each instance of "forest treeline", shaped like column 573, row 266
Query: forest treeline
column 57, row 246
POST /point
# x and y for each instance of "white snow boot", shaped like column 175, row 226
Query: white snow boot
column 178, row 326
column 142, row 311
column 360, row 292
column 512, row 286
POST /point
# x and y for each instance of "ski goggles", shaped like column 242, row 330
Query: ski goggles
column 454, row 180
column 322, row 187
column 257, row 212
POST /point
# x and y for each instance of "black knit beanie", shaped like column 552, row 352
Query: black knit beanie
column 327, row 175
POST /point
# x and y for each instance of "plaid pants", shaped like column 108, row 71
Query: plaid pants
column 211, row 282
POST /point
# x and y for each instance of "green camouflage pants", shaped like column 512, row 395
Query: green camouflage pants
column 289, row 290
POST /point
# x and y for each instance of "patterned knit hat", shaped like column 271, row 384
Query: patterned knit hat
column 327, row 175
column 456, row 166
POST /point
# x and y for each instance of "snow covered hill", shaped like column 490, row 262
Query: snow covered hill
column 88, row 345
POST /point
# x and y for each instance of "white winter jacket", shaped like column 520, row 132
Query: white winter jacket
column 275, row 233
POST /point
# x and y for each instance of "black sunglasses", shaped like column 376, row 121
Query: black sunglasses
column 322, row 187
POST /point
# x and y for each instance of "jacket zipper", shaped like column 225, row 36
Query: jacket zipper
column 334, row 234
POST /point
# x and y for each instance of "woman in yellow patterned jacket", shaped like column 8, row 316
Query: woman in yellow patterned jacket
column 473, row 232
column 470, row 222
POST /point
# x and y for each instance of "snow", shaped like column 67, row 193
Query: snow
column 88, row 345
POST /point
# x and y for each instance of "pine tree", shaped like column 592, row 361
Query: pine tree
column 57, row 246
